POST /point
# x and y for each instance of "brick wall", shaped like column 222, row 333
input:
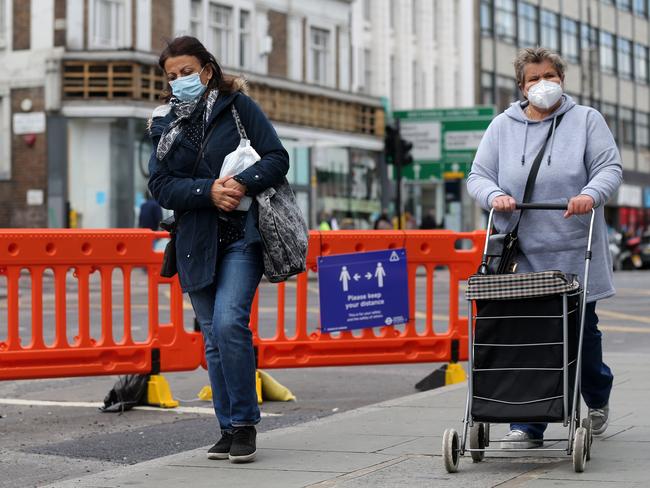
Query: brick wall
column 22, row 24
column 278, row 65
column 162, row 14
column 28, row 171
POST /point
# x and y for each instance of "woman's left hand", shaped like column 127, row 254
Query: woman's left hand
column 233, row 183
column 579, row 205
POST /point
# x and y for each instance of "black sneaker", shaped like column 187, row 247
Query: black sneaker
column 243, row 449
column 221, row 449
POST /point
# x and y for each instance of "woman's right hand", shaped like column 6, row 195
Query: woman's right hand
column 225, row 198
column 504, row 203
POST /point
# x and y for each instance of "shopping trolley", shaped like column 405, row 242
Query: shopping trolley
column 525, row 357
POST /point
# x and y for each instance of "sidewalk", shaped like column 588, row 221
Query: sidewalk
column 398, row 444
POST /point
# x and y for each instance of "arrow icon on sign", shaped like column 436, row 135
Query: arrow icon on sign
column 368, row 275
column 356, row 277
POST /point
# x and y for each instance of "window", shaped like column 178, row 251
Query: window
column 507, row 92
column 109, row 24
column 641, row 7
column 570, row 47
column 550, row 30
column 528, row 25
column 3, row 24
column 5, row 139
column 609, row 112
column 641, row 63
column 245, row 39
column 486, row 18
column 607, row 59
column 196, row 16
column 624, row 58
column 642, row 130
column 367, row 71
column 365, row 7
column 504, row 19
column 624, row 4
column 626, row 137
column 220, row 25
column 487, row 88
column 319, row 55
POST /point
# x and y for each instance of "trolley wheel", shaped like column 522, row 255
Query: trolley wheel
column 486, row 437
column 586, row 423
column 477, row 441
column 580, row 450
column 450, row 450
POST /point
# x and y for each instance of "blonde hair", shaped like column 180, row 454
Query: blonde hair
column 537, row 55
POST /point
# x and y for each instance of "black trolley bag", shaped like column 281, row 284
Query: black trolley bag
column 525, row 334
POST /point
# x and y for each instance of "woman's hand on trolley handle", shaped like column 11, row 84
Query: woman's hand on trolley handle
column 225, row 198
column 578, row 205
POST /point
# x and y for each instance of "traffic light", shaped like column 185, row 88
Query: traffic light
column 396, row 149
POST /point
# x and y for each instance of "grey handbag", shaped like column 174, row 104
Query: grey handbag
column 282, row 227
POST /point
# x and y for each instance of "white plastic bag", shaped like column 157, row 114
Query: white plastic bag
column 237, row 161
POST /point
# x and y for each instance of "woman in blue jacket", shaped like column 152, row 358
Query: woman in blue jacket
column 218, row 248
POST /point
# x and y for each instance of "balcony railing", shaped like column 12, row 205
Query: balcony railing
column 282, row 101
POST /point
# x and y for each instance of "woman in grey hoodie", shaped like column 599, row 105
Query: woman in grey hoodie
column 581, row 167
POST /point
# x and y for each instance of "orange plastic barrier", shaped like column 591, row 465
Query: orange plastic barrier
column 307, row 346
column 72, row 256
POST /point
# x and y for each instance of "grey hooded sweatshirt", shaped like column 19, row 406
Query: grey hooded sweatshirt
column 580, row 158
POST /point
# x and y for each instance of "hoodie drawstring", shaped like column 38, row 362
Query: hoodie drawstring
column 548, row 159
column 523, row 153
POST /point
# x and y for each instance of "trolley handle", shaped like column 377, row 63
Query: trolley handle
column 541, row 206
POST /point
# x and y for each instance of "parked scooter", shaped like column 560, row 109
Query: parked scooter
column 630, row 255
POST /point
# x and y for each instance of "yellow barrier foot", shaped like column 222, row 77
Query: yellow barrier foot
column 258, row 387
column 159, row 393
column 454, row 374
column 272, row 390
column 206, row 393
column 447, row 374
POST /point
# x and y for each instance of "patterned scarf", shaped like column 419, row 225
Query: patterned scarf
column 185, row 113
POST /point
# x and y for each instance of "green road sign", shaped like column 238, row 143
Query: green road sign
column 444, row 140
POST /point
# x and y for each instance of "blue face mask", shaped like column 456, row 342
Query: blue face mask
column 187, row 88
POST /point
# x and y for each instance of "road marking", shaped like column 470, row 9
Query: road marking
column 49, row 403
column 632, row 291
column 624, row 316
column 623, row 328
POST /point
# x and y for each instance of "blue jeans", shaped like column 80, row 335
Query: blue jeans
column 223, row 312
column 596, row 379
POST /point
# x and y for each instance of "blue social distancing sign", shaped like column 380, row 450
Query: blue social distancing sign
column 365, row 289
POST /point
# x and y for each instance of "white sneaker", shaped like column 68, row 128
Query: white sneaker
column 599, row 419
column 518, row 439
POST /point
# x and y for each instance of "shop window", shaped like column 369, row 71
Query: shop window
column 505, row 20
column 607, row 53
column 624, row 58
column 528, row 15
column 570, row 40
column 550, row 30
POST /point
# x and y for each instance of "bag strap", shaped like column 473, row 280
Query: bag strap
column 532, row 176
column 240, row 126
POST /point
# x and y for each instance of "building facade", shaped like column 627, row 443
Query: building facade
column 82, row 79
column 418, row 54
column 606, row 45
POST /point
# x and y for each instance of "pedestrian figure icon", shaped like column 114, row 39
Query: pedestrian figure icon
column 344, row 277
column 379, row 274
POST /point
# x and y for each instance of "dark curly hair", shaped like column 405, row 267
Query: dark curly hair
column 191, row 46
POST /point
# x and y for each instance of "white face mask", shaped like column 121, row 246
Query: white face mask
column 544, row 94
